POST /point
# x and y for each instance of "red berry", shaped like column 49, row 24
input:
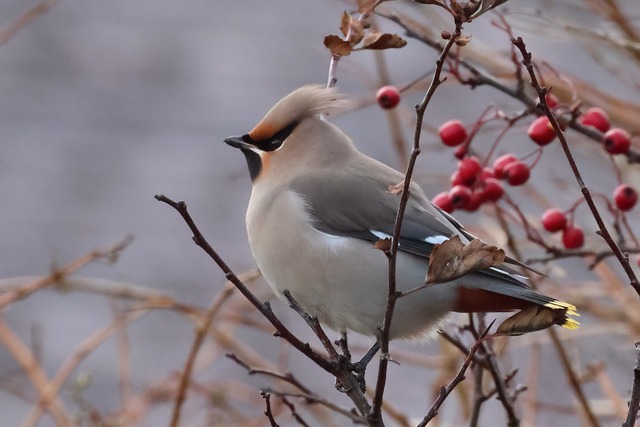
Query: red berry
column 443, row 201
column 625, row 197
column 501, row 162
column 460, row 196
column 552, row 101
column 597, row 118
column 477, row 199
column 541, row 131
column 517, row 173
column 487, row 173
column 572, row 237
column 469, row 168
column 617, row 141
column 492, row 189
column 554, row 220
column 638, row 260
column 457, row 179
column 388, row 97
column 452, row 133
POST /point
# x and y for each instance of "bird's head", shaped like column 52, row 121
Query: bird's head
column 292, row 132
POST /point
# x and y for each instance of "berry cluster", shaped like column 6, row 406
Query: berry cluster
column 614, row 140
column 473, row 183
column 555, row 220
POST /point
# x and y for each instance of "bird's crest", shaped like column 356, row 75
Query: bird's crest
column 307, row 101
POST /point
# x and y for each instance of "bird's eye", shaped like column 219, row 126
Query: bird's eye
column 275, row 144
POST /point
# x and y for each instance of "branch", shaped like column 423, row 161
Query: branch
column 604, row 232
column 404, row 199
column 346, row 378
column 201, row 332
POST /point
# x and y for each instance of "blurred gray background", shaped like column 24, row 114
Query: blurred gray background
column 106, row 103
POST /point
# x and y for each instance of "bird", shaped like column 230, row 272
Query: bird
column 317, row 208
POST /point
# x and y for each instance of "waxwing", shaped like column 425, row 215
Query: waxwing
column 317, row 207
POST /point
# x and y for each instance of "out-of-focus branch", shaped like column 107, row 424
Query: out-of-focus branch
column 24, row 19
column 109, row 254
column 83, row 350
column 29, row 364
column 200, row 334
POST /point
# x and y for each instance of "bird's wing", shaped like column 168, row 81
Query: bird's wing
column 359, row 204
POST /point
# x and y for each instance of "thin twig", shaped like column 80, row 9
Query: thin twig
column 445, row 391
column 634, row 404
column 376, row 415
column 286, row 377
column 294, row 413
column 267, row 401
column 311, row 398
column 110, row 254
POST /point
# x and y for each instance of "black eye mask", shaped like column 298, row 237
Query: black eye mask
column 273, row 143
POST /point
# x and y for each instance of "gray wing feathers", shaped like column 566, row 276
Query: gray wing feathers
column 358, row 202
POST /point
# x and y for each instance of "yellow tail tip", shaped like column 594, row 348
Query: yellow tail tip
column 569, row 323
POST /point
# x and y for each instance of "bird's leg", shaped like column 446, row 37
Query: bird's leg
column 343, row 344
column 359, row 368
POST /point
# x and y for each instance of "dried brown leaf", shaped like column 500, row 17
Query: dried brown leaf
column 365, row 6
column 377, row 41
column 337, row 46
column 383, row 244
column 531, row 319
column 453, row 259
column 344, row 23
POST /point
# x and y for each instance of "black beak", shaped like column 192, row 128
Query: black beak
column 239, row 142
